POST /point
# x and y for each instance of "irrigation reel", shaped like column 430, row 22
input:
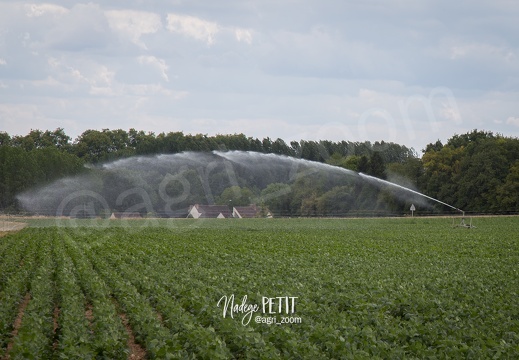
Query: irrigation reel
column 463, row 224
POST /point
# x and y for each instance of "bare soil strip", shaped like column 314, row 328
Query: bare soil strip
column 55, row 317
column 89, row 314
column 136, row 351
column 8, row 226
column 17, row 324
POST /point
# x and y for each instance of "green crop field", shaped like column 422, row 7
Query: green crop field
column 302, row 289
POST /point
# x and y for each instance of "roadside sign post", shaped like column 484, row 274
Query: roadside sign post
column 412, row 210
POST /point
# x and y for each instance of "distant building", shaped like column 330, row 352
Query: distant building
column 251, row 211
column 125, row 215
column 198, row 211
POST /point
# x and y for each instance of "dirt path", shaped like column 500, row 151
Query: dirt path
column 136, row 351
column 9, row 226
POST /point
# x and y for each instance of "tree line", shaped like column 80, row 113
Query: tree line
column 477, row 171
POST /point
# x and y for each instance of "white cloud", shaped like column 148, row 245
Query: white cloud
column 476, row 50
column 513, row 120
column 72, row 72
column 102, row 91
column 193, row 27
column 83, row 28
column 451, row 114
column 147, row 90
column 37, row 10
column 243, row 35
column 46, row 83
column 159, row 64
column 134, row 24
column 367, row 94
column 325, row 52
column 16, row 114
column 337, row 70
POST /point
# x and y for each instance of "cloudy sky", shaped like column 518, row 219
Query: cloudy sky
column 405, row 71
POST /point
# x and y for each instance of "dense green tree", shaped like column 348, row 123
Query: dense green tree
column 280, row 147
column 21, row 169
column 233, row 142
column 236, row 196
column 440, row 168
column 54, row 164
column 508, row 192
column 314, row 151
column 363, row 164
column 470, row 171
column 59, row 139
column 338, row 201
column 376, row 166
column 5, row 139
column 296, row 148
column 143, row 143
column 437, row 146
column 471, row 138
column 476, row 171
column 411, row 170
column 267, row 145
column 93, row 145
column 255, row 145
column 309, row 205
column 481, row 172
column 37, row 139
column 18, row 171
column 351, row 162
column 277, row 197
column 308, row 184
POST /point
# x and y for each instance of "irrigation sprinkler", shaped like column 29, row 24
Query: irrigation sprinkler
column 463, row 223
column 380, row 181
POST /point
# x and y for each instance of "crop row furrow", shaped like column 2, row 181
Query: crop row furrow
column 196, row 339
column 194, row 301
column 13, row 292
column 109, row 335
column 158, row 341
column 35, row 335
column 74, row 338
column 183, row 280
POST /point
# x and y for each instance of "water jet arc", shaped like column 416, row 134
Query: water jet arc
column 372, row 178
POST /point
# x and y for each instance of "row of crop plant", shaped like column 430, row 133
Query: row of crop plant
column 144, row 320
column 151, row 294
column 361, row 294
column 57, row 285
column 35, row 335
column 109, row 337
column 187, row 301
column 19, row 259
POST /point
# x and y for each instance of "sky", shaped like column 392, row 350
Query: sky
column 404, row 71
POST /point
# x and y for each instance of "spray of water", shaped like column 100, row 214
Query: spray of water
column 384, row 182
column 169, row 184
column 251, row 158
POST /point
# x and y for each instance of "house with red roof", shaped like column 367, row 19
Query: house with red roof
column 198, row 211
column 251, row 211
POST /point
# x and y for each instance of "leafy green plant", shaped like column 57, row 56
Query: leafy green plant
column 370, row 288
